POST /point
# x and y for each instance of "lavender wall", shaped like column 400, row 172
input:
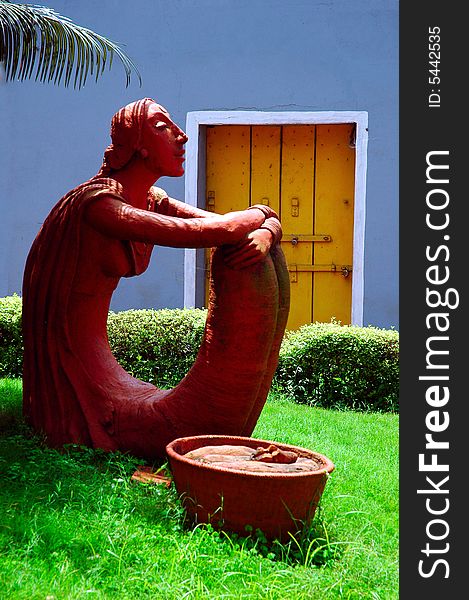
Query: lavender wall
column 208, row 55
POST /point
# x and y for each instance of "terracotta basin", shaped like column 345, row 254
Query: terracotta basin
column 230, row 499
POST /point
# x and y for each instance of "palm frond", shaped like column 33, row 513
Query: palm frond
column 37, row 41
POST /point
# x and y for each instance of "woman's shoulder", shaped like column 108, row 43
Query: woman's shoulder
column 103, row 184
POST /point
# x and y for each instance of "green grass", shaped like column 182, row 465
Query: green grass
column 74, row 526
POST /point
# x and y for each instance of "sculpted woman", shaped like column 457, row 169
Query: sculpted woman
column 105, row 229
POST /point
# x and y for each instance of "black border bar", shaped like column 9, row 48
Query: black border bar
column 434, row 330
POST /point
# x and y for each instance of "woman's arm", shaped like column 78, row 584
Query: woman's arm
column 119, row 220
column 166, row 205
column 175, row 208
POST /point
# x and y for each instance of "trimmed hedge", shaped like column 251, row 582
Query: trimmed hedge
column 158, row 346
column 340, row 366
column 11, row 340
column 322, row 364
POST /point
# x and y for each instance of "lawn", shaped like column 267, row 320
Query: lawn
column 75, row 526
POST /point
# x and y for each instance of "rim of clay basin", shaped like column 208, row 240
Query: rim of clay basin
column 248, row 441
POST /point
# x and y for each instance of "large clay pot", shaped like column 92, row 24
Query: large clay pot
column 231, row 499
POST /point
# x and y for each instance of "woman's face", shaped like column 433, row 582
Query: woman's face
column 164, row 143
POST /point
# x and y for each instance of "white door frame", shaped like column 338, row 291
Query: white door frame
column 196, row 123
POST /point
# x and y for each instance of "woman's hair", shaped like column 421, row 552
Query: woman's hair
column 126, row 133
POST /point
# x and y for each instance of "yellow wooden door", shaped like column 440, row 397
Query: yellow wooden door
column 306, row 174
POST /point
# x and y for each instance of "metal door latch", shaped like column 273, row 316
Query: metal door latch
column 294, row 269
column 211, row 201
column 295, row 206
column 296, row 238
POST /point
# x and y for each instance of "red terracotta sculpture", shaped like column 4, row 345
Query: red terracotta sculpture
column 105, row 229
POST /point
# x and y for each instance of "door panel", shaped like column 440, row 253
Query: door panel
column 333, row 215
column 228, row 167
column 265, row 166
column 297, row 184
column 306, row 174
column 228, row 180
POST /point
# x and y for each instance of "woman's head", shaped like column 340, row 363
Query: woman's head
column 139, row 127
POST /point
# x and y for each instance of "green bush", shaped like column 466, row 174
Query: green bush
column 158, row 346
column 339, row 366
column 11, row 339
column 323, row 364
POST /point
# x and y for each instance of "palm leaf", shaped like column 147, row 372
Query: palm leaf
column 37, row 41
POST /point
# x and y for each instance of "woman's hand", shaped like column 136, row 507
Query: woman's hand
column 266, row 210
column 252, row 249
